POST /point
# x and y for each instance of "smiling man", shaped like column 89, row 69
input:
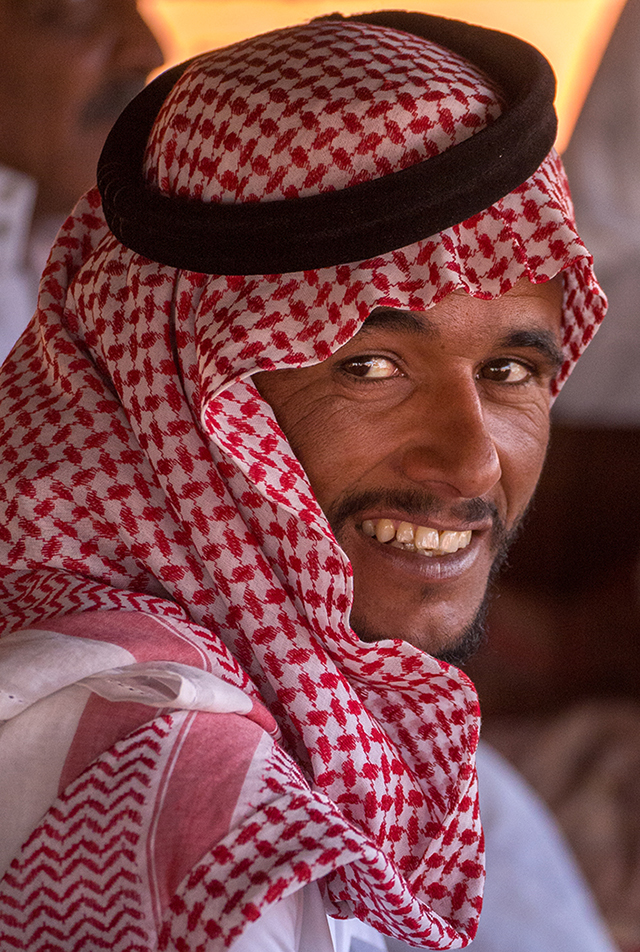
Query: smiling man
column 285, row 406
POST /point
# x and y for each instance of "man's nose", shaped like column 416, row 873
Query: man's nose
column 452, row 447
column 138, row 48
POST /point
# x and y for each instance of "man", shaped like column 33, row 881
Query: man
column 68, row 69
column 292, row 404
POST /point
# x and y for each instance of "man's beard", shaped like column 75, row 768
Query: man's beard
column 474, row 635
column 423, row 505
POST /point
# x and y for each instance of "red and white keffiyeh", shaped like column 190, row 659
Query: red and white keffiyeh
column 192, row 731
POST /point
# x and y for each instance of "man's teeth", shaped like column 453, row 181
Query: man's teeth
column 405, row 535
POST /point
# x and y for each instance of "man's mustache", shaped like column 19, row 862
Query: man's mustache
column 107, row 104
column 421, row 507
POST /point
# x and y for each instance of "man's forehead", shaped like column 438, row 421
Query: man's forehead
column 423, row 321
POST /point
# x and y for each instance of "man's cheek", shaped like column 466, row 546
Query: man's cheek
column 521, row 463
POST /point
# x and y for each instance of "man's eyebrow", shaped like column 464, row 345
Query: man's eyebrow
column 539, row 339
column 397, row 319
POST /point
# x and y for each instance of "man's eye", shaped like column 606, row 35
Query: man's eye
column 75, row 15
column 371, row 367
column 506, row 370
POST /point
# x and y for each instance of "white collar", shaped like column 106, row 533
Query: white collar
column 17, row 202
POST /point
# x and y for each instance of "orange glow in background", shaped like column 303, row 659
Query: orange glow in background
column 571, row 33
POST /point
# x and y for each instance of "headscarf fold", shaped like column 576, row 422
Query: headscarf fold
column 150, row 501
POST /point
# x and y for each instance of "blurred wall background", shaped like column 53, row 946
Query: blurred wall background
column 571, row 33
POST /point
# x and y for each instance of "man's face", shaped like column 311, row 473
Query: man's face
column 68, row 68
column 423, row 439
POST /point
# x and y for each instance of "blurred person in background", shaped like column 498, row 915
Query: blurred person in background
column 67, row 70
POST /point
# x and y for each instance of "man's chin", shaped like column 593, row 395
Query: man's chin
column 472, row 639
column 461, row 649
